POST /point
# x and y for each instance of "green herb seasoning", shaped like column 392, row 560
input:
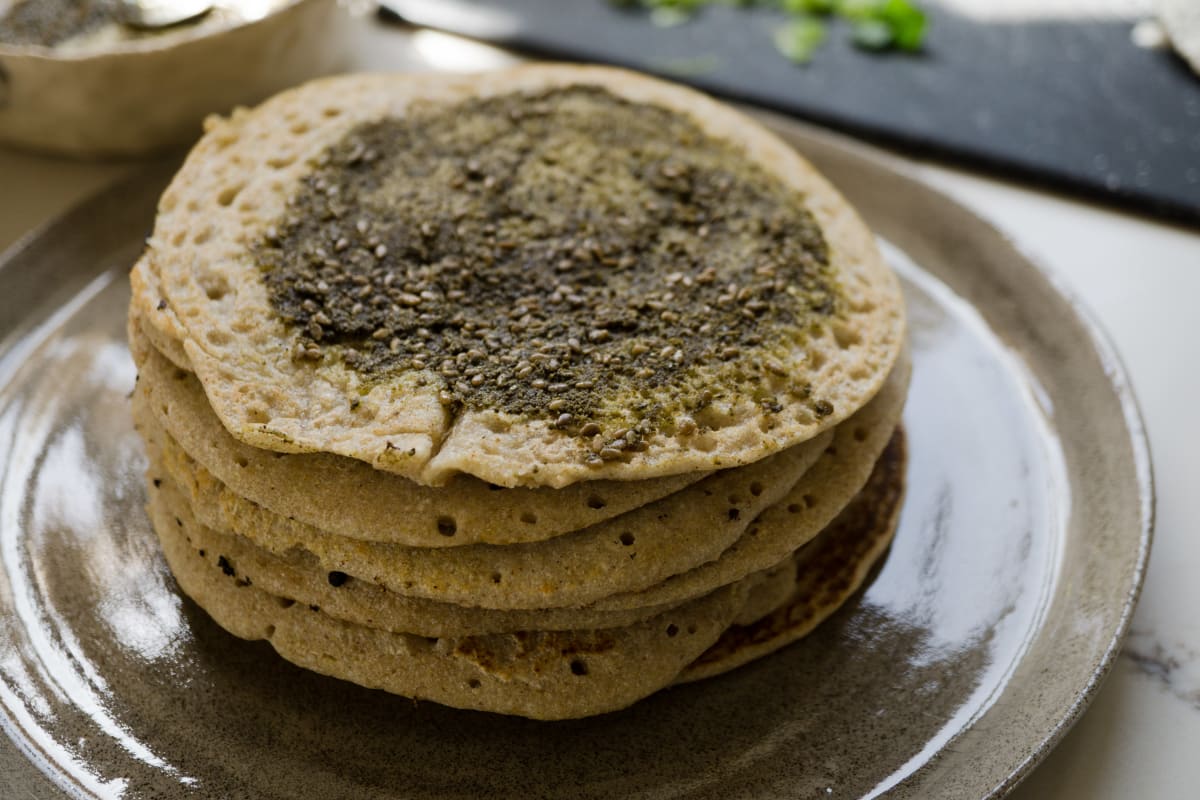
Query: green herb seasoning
column 570, row 256
column 52, row 22
column 874, row 24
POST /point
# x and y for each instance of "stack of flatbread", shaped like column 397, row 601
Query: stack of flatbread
column 532, row 392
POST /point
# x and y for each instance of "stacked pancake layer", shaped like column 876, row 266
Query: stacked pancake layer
column 502, row 562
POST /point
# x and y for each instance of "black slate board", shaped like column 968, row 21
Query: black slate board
column 1072, row 104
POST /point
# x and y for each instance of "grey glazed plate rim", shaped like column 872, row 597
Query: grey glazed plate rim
column 834, row 155
column 1117, row 375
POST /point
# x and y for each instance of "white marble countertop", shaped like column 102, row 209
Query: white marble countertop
column 1141, row 737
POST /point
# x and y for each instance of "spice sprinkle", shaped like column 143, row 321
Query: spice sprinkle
column 567, row 255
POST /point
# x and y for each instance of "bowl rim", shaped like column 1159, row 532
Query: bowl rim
column 173, row 36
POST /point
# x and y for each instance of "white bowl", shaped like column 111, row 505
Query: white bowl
column 138, row 96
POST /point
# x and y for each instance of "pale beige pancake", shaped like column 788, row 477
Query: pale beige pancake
column 623, row 554
column 346, row 497
column 824, row 573
column 198, row 286
column 551, row 675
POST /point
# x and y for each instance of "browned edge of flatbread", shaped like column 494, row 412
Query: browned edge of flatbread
column 828, row 571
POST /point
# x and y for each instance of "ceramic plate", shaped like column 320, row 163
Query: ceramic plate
column 981, row 639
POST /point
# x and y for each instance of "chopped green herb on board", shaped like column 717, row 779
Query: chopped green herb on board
column 884, row 24
column 800, row 38
column 877, row 25
column 871, row 34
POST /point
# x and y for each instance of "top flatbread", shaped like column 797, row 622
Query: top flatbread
column 201, row 285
